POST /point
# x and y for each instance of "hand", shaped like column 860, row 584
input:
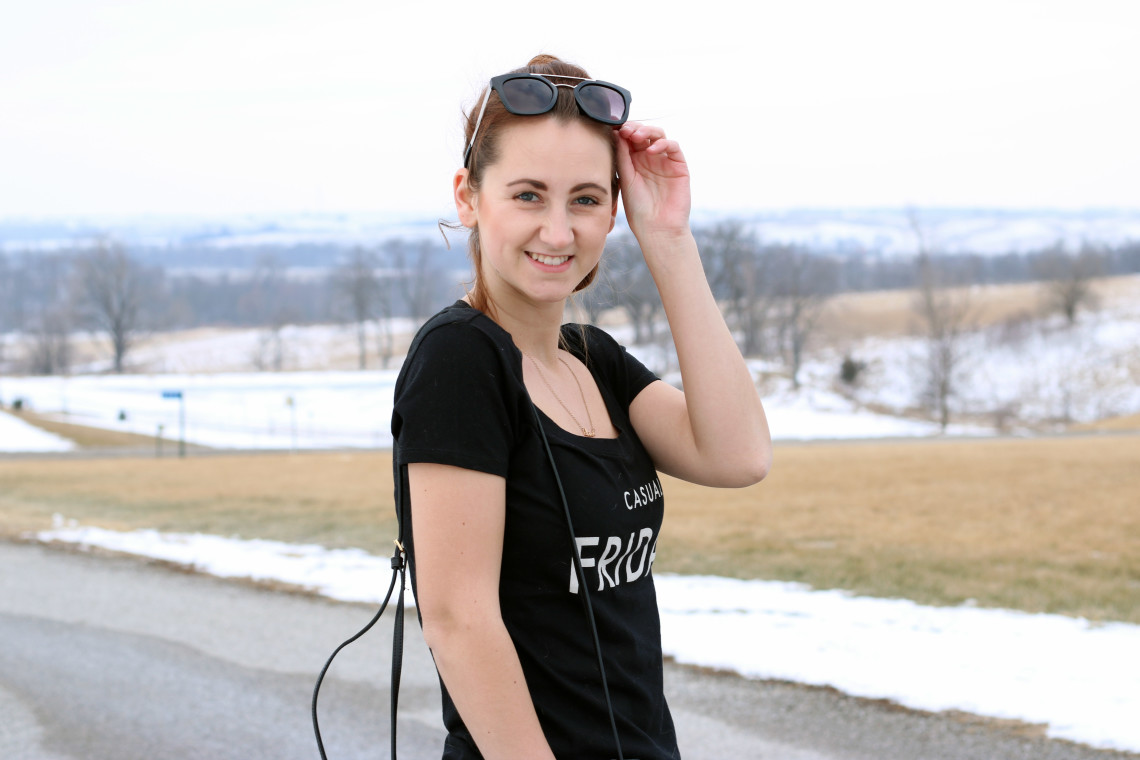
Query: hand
column 654, row 181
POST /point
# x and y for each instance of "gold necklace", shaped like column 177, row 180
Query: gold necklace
column 587, row 433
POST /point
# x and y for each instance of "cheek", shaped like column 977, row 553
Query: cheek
column 490, row 224
column 601, row 227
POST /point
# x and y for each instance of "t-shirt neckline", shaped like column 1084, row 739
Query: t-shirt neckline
column 550, row 424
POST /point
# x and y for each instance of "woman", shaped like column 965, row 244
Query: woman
column 491, row 559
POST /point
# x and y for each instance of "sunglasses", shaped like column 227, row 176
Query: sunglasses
column 534, row 94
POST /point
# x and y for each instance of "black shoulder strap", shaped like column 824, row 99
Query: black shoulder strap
column 399, row 568
column 583, row 585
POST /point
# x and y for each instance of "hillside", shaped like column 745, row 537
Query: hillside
column 1018, row 371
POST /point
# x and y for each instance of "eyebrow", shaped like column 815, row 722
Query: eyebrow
column 542, row 185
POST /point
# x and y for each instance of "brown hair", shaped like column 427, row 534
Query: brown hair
column 485, row 151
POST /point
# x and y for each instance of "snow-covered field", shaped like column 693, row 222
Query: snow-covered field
column 255, row 410
column 307, row 410
column 1038, row 372
column 17, row 435
column 1017, row 376
column 1079, row 678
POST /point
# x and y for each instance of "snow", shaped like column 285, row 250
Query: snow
column 260, row 410
column 1078, row 677
column 814, row 414
column 1039, row 372
column 312, row 410
column 17, row 435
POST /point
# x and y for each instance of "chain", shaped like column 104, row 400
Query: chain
column 587, row 433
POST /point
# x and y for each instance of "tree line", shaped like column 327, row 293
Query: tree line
column 772, row 294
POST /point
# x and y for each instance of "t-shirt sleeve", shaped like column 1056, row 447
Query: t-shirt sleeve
column 453, row 405
column 625, row 375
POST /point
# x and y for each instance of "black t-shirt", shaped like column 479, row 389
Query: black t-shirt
column 460, row 400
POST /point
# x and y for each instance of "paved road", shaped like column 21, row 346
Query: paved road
column 110, row 657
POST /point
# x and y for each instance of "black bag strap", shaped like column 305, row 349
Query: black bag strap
column 399, row 574
column 582, row 585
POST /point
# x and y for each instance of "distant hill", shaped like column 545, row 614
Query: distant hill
column 883, row 231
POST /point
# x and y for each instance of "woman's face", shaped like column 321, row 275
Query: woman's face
column 543, row 210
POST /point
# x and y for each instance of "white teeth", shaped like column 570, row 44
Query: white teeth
column 551, row 261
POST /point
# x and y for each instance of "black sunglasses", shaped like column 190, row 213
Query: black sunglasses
column 534, row 94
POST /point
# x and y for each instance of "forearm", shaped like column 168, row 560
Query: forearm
column 726, row 416
column 480, row 667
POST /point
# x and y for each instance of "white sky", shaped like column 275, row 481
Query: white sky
column 236, row 106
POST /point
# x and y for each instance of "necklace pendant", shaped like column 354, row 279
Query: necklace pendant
column 589, row 433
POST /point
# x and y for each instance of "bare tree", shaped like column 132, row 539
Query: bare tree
column 111, row 289
column 268, row 353
column 385, row 329
column 359, row 294
column 803, row 284
column 50, row 348
column 633, row 288
column 1068, row 280
column 263, row 303
column 416, row 265
column 737, row 268
column 269, row 303
column 41, row 283
column 10, row 308
column 9, row 305
column 945, row 315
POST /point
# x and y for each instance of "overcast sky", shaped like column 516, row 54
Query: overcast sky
column 236, row 106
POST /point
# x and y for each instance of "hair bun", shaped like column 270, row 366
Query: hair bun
column 543, row 59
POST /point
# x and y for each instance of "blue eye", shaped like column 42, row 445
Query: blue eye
column 586, row 200
column 527, row 196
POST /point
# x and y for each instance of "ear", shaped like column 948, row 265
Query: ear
column 465, row 204
column 613, row 214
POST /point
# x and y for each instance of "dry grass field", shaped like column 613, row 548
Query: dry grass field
column 1041, row 525
column 891, row 313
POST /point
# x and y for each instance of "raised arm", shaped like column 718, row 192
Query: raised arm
column 457, row 518
column 715, row 431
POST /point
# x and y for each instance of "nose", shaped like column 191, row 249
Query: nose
column 557, row 229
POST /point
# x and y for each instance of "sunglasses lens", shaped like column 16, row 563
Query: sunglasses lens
column 602, row 103
column 526, row 96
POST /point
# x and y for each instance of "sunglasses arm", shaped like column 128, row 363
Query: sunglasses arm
column 475, row 132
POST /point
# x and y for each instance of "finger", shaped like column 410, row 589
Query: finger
column 669, row 148
column 641, row 135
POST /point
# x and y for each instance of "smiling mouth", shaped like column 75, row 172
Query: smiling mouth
column 550, row 261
